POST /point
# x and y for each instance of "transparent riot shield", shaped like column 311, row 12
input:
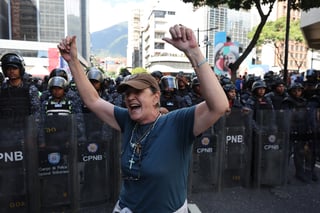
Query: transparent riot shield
column 271, row 148
column 94, row 162
column 205, row 162
column 56, row 164
column 237, row 149
column 303, row 143
column 13, row 165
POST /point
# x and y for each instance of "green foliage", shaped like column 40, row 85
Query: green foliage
column 304, row 5
column 248, row 4
column 124, row 71
column 138, row 70
column 274, row 31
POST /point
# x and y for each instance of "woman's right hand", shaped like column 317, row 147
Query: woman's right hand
column 68, row 48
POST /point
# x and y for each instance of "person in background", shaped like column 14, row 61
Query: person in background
column 183, row 91
column 196, row 96
column 95, row 76
column 114, row 96
column 70, row 93
column 302, row 141
column 19, row 99
column 168, row 98
column 157, row 75
column 234, row 102
column 277, row 94
column 156, row 148
column 58, row 104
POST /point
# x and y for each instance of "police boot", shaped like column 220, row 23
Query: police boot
column 298, row 158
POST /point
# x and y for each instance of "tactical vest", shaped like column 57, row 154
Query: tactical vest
column 15, row 105
column 63, row 107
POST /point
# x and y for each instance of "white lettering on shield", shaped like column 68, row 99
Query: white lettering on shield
column 11, row 156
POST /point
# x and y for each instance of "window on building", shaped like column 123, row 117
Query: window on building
column 159, row 13
column 159, row 35
column 159, row 45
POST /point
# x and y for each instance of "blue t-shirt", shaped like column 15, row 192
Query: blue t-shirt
column 163, row 165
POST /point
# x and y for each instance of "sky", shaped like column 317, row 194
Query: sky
column 105, row 13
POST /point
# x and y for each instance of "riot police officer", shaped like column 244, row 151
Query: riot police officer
column 258, row 102
column 196, row 96
column 95, row 76
column 169, row 99
column 277, row 94
column 70, row 93
column 18, row 100
column 183, row 90
column 56, row 138
column 157, row 75
column 302, row 144
column 234, row 102
column 93, row 173
column 113, row 96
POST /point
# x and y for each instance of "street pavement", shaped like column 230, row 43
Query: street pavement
column 293, row 197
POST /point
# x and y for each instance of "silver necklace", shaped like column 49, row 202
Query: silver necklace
column 136, row 146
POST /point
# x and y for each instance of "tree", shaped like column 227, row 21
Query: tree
column 124, row 72
column 274, row 33
column 304, row 5
column 138, row 70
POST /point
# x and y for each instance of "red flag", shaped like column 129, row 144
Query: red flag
column 53, row 54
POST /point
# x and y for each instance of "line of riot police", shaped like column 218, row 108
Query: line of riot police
column 263, row 115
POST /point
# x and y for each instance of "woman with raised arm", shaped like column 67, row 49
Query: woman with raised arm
column 156, row 149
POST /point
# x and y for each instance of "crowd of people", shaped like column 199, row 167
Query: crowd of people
column 268, row 92
column 127, row 104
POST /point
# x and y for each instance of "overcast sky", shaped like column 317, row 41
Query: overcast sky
column 105, row 13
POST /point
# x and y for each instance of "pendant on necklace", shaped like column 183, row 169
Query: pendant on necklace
column 137, row 148
column 131, row 161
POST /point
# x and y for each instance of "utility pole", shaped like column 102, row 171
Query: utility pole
column 286, row 49
column 206, row 40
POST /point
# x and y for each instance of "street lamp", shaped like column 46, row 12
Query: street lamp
column 206, row 30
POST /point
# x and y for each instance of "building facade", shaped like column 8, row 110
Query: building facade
column 156, row 54
column 44, row 21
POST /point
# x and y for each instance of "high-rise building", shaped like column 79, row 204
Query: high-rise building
column 156, row 54
column 44, row 21
column 134, row 32
column 236, row 24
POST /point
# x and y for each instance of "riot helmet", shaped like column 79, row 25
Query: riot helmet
column 225, row 80
column 195, row 82
column 168, row 83
column 229, row 87
column 277, row 81
column 119, row 79
column 157, row 74
column 12, row 60
column 268, row 75
column 311, row 73
column 295, row 85
column 59, row 72
column 95, row 74
column 258, row 84
column 58, row 81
